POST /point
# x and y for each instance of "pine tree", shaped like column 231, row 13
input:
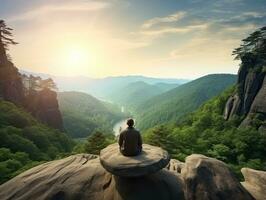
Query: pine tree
column 95, row 143
column 5, row 40
column 253, row 45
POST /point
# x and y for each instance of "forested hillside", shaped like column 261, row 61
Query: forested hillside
column 133, row 94
column 83, row 114
column 206, row 132
column 25, row 142
column 231, row 126
column 172, row 105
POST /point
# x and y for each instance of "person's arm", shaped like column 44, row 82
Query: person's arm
column 140, row 142
column 120, row 140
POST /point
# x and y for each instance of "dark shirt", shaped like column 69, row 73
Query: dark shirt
column 130, row 142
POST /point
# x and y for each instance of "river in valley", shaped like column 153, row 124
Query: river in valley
column 121, row 125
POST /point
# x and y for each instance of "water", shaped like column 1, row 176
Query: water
column 121, row 125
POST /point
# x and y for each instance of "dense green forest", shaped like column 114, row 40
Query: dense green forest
column 25, row 142
column 174, row 104
column 134, row 94
column 206, row 132
column 83, row 114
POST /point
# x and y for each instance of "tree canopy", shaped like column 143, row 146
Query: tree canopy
column 6, row 39
column 254, row 44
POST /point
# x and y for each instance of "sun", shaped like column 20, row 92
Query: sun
column 77, row 57
column 77, row 60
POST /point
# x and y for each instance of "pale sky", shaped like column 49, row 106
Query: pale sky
column 159, row 38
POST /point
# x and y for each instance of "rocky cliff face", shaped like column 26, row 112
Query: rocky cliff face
column 249, row 101
column 44, row 106
column 11, row 87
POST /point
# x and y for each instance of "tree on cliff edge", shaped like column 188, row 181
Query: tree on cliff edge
column 254, row 44
column 5, row 40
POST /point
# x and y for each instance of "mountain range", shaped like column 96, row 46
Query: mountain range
column 134, row 94
column 175, row 103
column 101, row 87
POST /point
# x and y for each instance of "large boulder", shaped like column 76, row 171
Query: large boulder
column 81, row 177
column 208, row 178
column 151, row 160
column 255, row 182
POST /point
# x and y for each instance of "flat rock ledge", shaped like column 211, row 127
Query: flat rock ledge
column 151, row 160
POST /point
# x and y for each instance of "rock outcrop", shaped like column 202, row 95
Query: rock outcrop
column 175, row 166
column 44, row 106
column 255, row 182
column 151, row 160
column 249, row 99
column 83, row 177
column 11, row 86
column 209, row 178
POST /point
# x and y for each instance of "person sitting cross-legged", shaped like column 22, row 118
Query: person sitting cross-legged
column 130, row 141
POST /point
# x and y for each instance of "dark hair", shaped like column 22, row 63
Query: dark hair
column 130, row 122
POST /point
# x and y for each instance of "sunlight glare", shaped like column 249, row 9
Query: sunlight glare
column 77, row 57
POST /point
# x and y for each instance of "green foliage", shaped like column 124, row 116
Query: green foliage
column 176, row 103
column 252, row 46
column 206, row 132
column 25, row 142
column 83, row 114
column 161, row 136
column 95, row 143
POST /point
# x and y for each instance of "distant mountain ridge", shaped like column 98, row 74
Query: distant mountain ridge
column 102, row 87
column 135, row 93
column 184, row 99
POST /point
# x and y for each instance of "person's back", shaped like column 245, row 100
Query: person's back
column 130, row 141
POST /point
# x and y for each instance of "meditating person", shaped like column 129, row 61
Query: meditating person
column 130, row 141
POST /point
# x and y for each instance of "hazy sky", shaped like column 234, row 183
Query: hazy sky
column 161, row 38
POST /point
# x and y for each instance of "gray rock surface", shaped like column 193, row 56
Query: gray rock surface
column 255, row 182
column 175, row 166
column 81, row 177
column 208, row 178
column 151, row 160
column 258, row 106
column 249, row 100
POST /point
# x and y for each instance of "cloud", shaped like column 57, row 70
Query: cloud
column 124, row 44
column 157, row 20
column 173, row 23
column 181, row 29
column 45, row 10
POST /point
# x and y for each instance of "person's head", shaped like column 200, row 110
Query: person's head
column 130, row 122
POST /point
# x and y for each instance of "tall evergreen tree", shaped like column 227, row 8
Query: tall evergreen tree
column 6, row 39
